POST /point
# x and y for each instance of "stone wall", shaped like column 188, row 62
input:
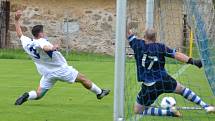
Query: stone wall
column 168, row 20
column 91, row 23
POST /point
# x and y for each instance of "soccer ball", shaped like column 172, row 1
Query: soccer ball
column 168, row 102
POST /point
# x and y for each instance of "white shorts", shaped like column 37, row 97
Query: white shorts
column 66, row 74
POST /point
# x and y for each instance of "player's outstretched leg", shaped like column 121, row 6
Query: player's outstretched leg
column 32, row 95
column 88, row 84
column 22, row 99
column 191, row 96
column 153, row 111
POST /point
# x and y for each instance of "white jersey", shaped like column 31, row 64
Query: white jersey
column 46, row 62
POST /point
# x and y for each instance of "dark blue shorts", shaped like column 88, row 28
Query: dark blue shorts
column 148, row 94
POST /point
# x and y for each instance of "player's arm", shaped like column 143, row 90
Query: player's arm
column 48, row 48
column 184, row 58
column 172, row 53
column 18, row 14
column 131, row 36
column 132, row 40
column 24, row 40
column 181, row 57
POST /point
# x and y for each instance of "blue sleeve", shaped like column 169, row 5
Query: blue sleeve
column 133, row 41
column 168, row 52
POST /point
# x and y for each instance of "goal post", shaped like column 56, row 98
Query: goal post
column 119, row 79
column 120, row 61
column 149, row 13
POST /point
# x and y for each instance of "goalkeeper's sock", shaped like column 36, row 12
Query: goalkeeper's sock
column 158, row 112
column 95, row 89
column 32, row 95
column 191, row 96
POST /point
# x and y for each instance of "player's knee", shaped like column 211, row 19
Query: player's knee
column 80, row 78
column 83, row 81
column 138, row 109
column 137, row 112
column 179, row 88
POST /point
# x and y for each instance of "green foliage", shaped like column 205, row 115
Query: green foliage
column 72, row 56
column 13, row 54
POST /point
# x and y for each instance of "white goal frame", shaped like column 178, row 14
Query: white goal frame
column 119, row 77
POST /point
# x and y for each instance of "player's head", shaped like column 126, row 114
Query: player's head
column 37, row 31
column 150, row 34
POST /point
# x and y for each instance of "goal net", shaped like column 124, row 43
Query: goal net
column 188, row 26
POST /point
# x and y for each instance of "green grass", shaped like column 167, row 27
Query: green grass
column 71, row 102
column 71, row 56
column 65, row 102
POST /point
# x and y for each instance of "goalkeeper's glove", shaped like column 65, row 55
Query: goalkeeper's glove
column 197, row 63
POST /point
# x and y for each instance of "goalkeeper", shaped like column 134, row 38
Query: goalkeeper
column 150, row 62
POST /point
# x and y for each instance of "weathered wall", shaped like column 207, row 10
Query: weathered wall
column 168, row 20
column 91, row 22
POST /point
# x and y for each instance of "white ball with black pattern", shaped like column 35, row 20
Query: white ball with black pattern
column 168, row 102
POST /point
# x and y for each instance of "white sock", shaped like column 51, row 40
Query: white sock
column 191, row 96
column 95, row 89
column 32, row 95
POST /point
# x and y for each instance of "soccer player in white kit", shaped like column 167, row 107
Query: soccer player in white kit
column 50, row 64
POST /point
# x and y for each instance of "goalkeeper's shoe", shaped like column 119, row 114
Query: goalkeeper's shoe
column 22, row 99
column 175, row 112
column 104, row 93
column 210, row 109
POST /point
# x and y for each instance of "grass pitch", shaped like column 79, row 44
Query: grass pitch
column 71, row 102
column 64, row 102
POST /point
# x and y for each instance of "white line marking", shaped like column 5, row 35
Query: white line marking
column 180, row 71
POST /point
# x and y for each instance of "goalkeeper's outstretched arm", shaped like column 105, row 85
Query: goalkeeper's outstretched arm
column 184, row 58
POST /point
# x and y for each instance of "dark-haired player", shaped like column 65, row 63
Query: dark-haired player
column 50, row 64
column 150, row 62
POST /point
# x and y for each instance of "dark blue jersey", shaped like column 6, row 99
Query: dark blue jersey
column 150, row 59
